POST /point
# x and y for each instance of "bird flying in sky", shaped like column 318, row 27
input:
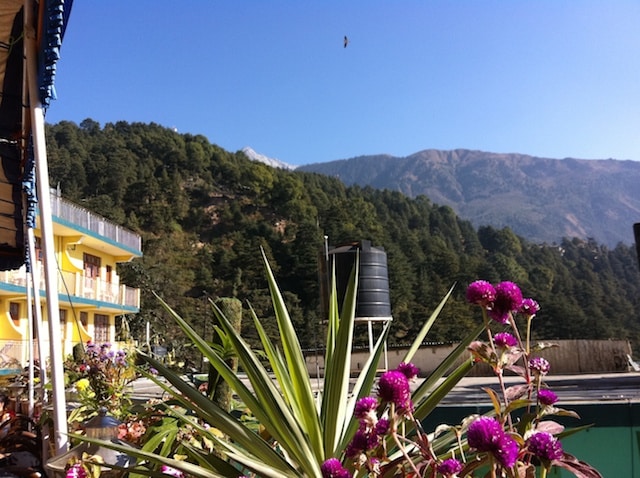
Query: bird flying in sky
column 346, row 41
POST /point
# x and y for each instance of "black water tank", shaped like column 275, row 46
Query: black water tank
column 373, row 278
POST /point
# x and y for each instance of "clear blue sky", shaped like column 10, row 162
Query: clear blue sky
column 548, row 78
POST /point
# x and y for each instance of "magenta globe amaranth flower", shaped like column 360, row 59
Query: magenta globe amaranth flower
column 539, row 365
column 506, row 451
column 505, row 340
column 393, row 387
column 76, row 471
column 483, row 433
column 547, row 397
column 358, row 444
column 529, row 307
column 486, row 434
column 481, row 293
column 450, row 468
column 332, row 468
column 382, row 427
column 168, row 470
column 508, row 299
column 409, row 370
column 545, row 446
column 365, row 406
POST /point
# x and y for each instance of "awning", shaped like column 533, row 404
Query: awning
column 16, row 170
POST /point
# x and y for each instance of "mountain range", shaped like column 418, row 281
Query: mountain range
column 540, row 199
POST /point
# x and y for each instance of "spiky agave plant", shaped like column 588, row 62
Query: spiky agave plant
column 300, row 430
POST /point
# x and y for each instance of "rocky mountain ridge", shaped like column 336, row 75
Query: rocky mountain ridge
column 541, row 199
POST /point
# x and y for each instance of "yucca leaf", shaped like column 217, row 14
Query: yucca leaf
column 302, row 399
column 265, row 401
column 430, row 382
column 268, row 405
column 212, row 462
column 338, row 368
column 417, row 342
column 141, row 455
column 440, row 392
column 209, row 411
column 363, row 386
column 333, row 320
column 276, row 360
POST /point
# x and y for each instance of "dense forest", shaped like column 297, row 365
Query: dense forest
column 204, row 213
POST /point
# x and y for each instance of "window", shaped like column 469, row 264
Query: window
column 100, row 328
column 84, row 319
column 14, row 312
column 91, row 265
column 63, row 322
column 38, row 248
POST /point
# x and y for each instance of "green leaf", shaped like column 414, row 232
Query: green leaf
column 426, row 327
column 338, row 366
column 431, row 381
column 301, row 394
column 209, row 411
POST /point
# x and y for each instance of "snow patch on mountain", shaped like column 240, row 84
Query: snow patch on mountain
column 274, row 163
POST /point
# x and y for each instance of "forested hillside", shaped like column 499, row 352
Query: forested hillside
column 204, row 213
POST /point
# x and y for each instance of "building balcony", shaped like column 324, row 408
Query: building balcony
column 66, row 213
column 76, row 286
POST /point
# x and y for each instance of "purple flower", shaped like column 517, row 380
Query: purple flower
column 481, row 293
column 506, row 451
column 450, row 467
column 167, row 470
column 382, row 427
column 505, row 340
column 529, row 307
column 483, row 433
column 508, row 299
column 545, row 446
column 393, row 387
column 358, row 444
column 539, row 365
column 409, row 370
column 365, row 406
column 547, row 397
column 373, row 466
column 332, row 468
column 76, row 471
column 365, row 411
column 487, row 434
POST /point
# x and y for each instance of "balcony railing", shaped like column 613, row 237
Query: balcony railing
column 76, row 284
column 93, row 222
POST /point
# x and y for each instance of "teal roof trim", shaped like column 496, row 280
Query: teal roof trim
column 88, row 232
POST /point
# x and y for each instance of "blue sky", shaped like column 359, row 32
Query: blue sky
column 548, row 78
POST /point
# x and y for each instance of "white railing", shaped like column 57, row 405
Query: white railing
column 75, row 284
column 93, row 222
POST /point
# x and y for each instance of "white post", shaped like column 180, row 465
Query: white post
column 31, row 349
column 46, row 226
column 37, row 311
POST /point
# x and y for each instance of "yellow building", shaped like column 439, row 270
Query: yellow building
column 91, row 297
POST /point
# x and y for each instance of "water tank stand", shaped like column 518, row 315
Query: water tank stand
column 372, row 340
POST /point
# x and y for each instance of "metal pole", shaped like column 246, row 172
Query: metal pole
column 37, row 312
column 46, row 226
